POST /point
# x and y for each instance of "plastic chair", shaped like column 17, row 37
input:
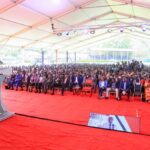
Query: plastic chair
column 88, row 87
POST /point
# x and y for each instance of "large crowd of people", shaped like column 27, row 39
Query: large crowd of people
column 124, row 78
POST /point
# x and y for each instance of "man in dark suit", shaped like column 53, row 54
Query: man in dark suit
column 77, row 80
column 80, row 80
column 124, row 88
column 57, row 83
column 65, row 83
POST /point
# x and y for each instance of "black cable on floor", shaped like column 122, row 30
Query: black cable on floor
column 75, row 124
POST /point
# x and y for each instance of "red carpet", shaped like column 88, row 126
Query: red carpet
column 28, row 133
column 22, row 133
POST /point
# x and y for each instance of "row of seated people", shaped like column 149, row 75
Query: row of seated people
column 42, row 82
column 119, row 86
column 125, row 86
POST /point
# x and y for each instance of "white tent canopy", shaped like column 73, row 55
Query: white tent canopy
column 65, row 24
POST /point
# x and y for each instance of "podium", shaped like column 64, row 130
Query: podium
column 4, row 113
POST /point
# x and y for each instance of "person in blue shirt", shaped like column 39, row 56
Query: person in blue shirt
column 18, row 80
column 102, row 86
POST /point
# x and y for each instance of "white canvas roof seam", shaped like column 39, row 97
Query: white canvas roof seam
column 77, row 16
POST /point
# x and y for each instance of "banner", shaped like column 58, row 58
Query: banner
column 115, row 122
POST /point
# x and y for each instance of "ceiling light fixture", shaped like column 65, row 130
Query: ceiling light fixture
column 109, row 30
column 92, row 32
column 121, row 30
column 59, row 34
column 132, row 29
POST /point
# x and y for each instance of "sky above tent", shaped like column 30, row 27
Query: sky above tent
column 70, row 25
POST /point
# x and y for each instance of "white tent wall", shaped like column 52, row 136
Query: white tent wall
column 33, row 25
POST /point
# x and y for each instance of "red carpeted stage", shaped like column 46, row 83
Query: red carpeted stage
column 29, row 133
